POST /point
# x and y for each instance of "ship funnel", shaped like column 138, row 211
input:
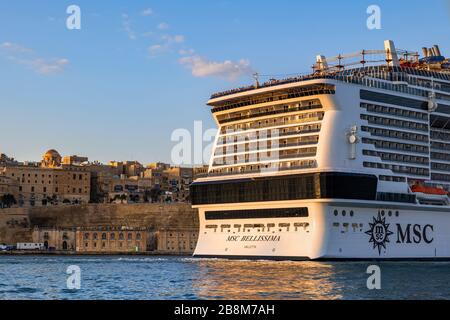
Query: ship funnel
column 425, row 52
column 437, row 50
column 433, row 51
column 430, row 52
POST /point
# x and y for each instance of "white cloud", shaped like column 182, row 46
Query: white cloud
column 202, row 67
column 186, row 52
column 148, row 34
column 26, row 56
column 167, row 44
column 14, row 47
column 173, row 39
column 157, row 49
column 163, row 26
column 126, row 24
column 43, row 66
column 179, row 39
column 49, row 66
column 147, row 12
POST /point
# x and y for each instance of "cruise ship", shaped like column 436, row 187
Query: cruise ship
column 351, row 161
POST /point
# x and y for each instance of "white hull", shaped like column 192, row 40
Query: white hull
column 416, row 233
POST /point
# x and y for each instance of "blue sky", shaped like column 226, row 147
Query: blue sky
column 137, row 70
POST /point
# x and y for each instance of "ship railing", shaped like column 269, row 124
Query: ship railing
column 302, row 167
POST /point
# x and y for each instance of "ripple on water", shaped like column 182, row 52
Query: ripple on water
column 191, row 278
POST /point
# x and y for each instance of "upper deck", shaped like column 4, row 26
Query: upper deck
column 354, row 68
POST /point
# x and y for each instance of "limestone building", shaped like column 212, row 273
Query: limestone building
column 74, row 160
column 177, row 241
column 55, row 238
column 112, row 240
column 180, row 180
column 8, row 187
column 50, row 183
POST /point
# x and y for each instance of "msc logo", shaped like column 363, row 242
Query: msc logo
column 379, row 233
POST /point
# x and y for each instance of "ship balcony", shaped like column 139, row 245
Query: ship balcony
column 255, row 115
column 272, row 124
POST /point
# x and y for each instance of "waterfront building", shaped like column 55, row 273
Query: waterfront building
column 112, row 240
column 177, row 241
column 58, row 239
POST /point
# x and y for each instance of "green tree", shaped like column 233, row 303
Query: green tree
column 155, row 194
column 8, row 200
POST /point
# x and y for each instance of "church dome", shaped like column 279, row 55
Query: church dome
column 51, row 159
column 52, row 153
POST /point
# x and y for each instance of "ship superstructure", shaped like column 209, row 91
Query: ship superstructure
column 350, row 161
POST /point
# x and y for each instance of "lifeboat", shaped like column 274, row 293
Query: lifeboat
column 431, row 195
column 408, row 64
column 428, row 190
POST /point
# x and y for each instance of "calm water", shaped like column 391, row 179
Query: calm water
column 41, row 277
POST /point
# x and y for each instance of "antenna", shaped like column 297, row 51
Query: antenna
column 363, row 61
column 256, row 77
column 340, row 66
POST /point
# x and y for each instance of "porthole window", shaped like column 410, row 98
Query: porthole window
column 383, row 213
column 344, row 213
column 352, row 213
column 390, row 214
column 397, row 214
column 336, row 213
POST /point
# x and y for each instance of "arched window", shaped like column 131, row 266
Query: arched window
column 104, row 236
column 113, row 236
column 86, row 236
column 95, row 236
column 121, row 236
column 130, row 236
column 138, row 236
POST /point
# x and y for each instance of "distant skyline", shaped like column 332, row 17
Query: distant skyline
column 137, row 71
